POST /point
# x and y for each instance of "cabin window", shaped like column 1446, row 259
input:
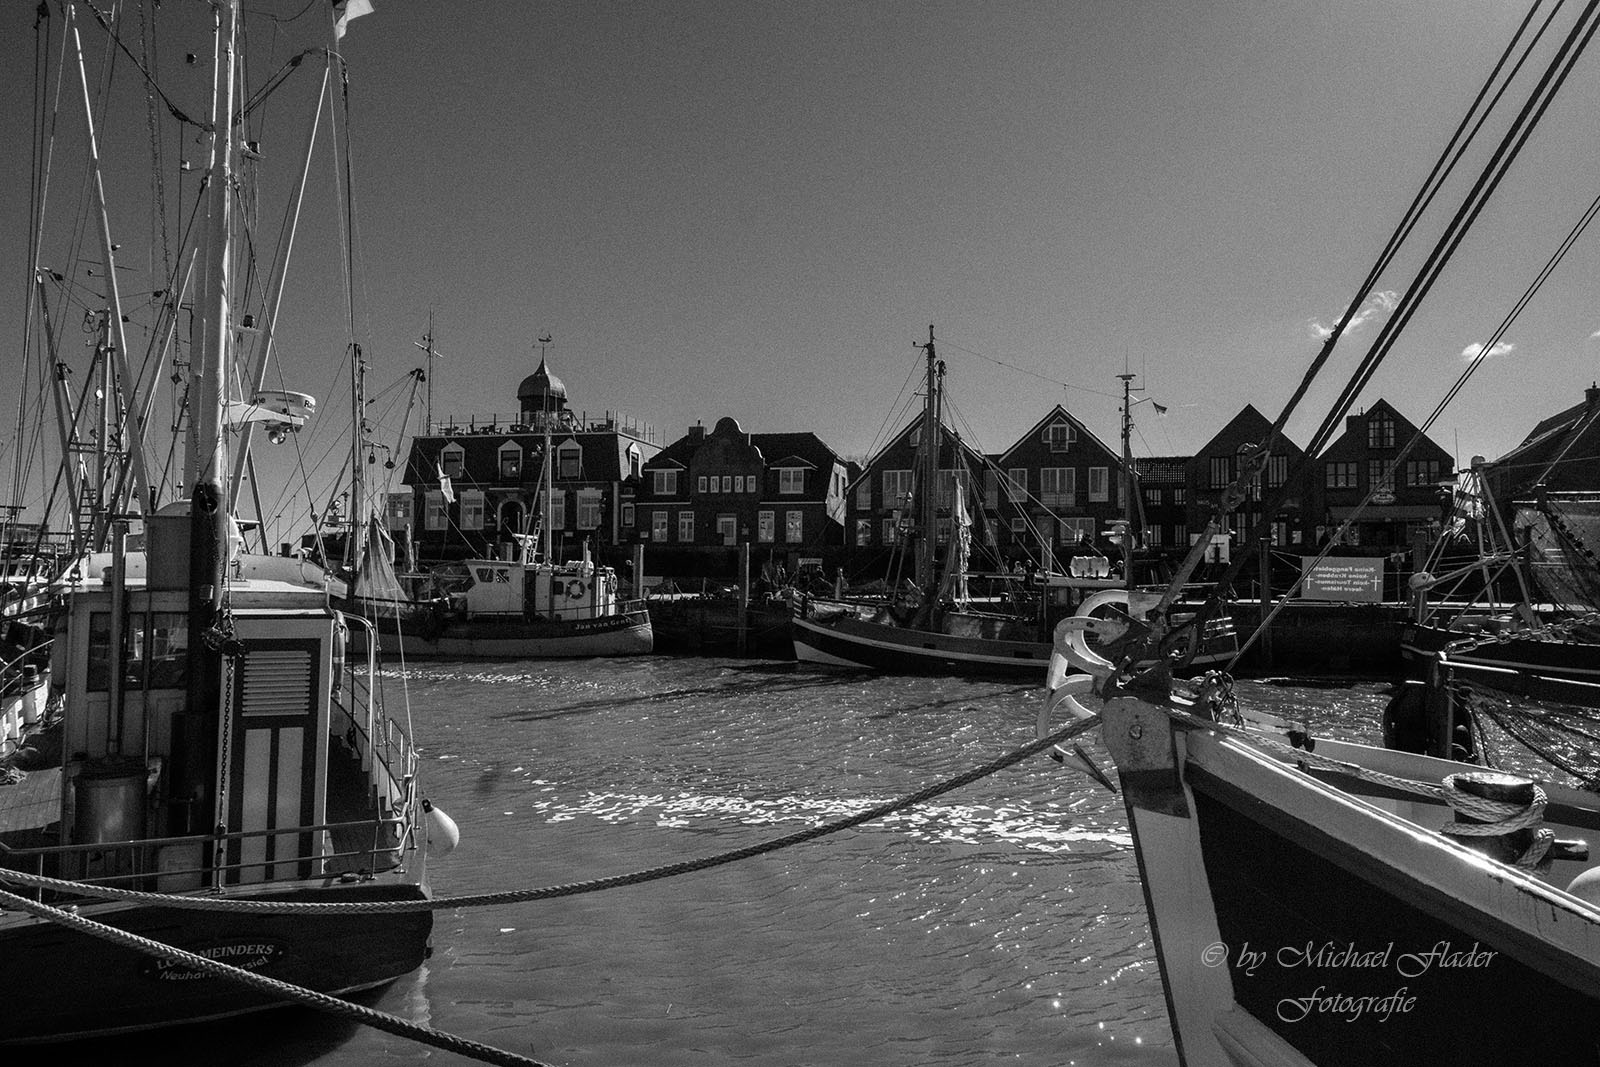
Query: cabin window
column 99, row 675
column 792, row 527
column 791, row 481
column 766, row 526
column 1058, row 487
column 686, row 526
column 666, row 482
column 1099, row 485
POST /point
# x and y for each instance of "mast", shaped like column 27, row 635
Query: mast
column 546, row 521
column 1127, row 480
column 358, row 440
column 428, row 375
column 927, row 504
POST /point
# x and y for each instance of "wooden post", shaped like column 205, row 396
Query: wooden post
column 744, row 598
column 638, row 571
column 1265, row 555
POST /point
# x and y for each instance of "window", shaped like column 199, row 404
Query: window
column 398, row 510
column 891, row 532
column 864, row 495
column 1424, row 471
column 633, row 461
column 569, row 460
column 686, row 526
column 738, row 483
column 627, row 515
column 896, row 489
column 991, row 489
column 1058, row 487
column 791, row 481
column 1221, row 471
column 727, row 483
column 1180, row 533
column 863, row 533
column 658, row 526
column 1059, row 436
column 1341, row 476
column 1099, row 485
column 1379, row 475
column 553, row 505
column 1280, row 532
column 510, row 463
column 452, row 460
column 589, row 509
column 766, row 526
column 792, row 527
column 1277, row 470
column 1152, row 536
column 666, row 482
column 941, row 530
column 1077, row 530
column 727, row 529
column 1180, row 496
column 471, row 509
column 1152, row 497
column 1380, row 431
column 436, row 516
column 1017, row 484
column 700, row 484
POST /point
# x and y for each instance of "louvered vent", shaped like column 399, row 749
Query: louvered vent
column 277, row 682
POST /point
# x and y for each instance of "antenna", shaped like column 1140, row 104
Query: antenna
column 428, row 374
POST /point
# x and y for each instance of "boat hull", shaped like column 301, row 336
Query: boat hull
column 624, row 634
column 1297, row 924
column 1568, row 660
column 857, row 643
column 65, row 985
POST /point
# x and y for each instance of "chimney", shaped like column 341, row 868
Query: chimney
column 1591, row 395
column 697, row 432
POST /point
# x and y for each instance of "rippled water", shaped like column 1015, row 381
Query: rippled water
column 1000, row 923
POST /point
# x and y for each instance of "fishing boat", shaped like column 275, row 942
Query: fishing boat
column 1315, row 901
column 211, row 738
column 932, row 626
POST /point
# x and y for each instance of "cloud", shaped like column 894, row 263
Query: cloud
column 1472, row 351
column 1379, row 303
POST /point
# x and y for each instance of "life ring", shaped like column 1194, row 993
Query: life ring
column 575, row 589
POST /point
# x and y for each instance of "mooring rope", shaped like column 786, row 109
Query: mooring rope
column 517, row 896
column 271, row 986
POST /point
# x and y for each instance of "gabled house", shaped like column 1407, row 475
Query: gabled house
column 1405, row 501
column 470, row 488
column 1215, row 466
column 1163, row 503
column 1561, row 453
column 881, row 507
column 707, row 493
column 1055, row 491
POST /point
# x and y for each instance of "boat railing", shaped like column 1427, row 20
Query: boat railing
column 386, row 751
column 180, row 864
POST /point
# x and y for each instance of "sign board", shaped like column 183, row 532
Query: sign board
column 1343, row 578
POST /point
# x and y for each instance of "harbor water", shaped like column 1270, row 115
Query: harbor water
column 1001, row 923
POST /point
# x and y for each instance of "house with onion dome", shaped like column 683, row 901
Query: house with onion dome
column 474, row 483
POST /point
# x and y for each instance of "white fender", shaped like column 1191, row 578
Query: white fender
column 443, row 833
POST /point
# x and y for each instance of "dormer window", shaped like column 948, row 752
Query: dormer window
column 791, row 480
column 569, row 460
column 452, row 460
column 665, row 482
column 510, row 462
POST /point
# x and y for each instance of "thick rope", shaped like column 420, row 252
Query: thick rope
column 271, row 986
column 478, row 900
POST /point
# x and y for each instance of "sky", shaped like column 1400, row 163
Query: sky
column 758, row 210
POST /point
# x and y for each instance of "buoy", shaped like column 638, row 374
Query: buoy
column 443, row 833
column 1587, row 886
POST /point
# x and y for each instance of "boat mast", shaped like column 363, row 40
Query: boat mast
column 358, row 441
column 927, row 504
column 1127, row 480
column 428, row 374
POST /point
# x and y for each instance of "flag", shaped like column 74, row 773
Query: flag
column 444, row 486
column 344, row 11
